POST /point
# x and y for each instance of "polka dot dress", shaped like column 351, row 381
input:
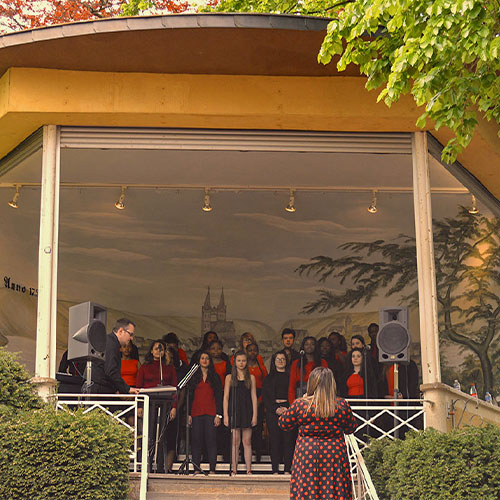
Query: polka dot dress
column 320, row 467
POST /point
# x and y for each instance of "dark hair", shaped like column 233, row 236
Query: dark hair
column 211, row 374
column 287, row 331
column 234, row 371
column 204, row 343
column 372, row 324
column 331, row 356
column 342, row 342
column 149, row 355
column 366, row 372
column 170, row 338
column 350, row 366
column 134, row 352
column 359, row 337
column 176, row 361
column 252, row 343
column 215, row 342
column 272, row 368
column 317, row 359
column 122, row 323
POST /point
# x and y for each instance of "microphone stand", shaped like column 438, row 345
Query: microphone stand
column 184, row 468
column 301, row 372
column 160, row 425
column 365, row 381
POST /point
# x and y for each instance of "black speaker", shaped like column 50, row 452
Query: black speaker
column 393, row 338
column 87, row 332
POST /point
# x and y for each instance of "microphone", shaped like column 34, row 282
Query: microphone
column 233, row 350
column 302, row 352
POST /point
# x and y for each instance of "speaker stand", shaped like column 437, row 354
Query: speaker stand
column 396, row 396
column 87, row 385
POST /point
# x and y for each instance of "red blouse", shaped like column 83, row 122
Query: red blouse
column 260, row 373
column 295, row 376
column 221, row 368
column 355, row 385
column 182, row 356
column 149, row 375
column 129, row 371
column 203, row 400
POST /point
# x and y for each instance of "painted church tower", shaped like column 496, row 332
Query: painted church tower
column 213, row 315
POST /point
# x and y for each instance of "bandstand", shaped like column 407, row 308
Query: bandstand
column 221, row 105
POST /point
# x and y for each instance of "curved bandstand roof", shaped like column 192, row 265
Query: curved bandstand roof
column 257, row 44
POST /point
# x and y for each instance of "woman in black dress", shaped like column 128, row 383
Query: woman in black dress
column 275, row 399
column 320, row 463
column 240, row 409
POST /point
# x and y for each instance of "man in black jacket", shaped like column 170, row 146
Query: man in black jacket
column 288, row 339
column 106, row 375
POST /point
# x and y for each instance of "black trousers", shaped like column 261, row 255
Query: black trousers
column 282, row 444
column 204, row 433
column 257, row 432
column 161, row 432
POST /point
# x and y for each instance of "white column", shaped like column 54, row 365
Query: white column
column 426, row 271
column 45, row 364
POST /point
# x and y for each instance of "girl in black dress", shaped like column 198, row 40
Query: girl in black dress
column 240, row 409
column 275, row 398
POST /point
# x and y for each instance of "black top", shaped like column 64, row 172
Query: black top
column 275, row 386
column 72, row 367
column 295, row 355
column 408, row 381
column 107, row 375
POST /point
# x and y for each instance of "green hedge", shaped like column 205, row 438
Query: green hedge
column 60, row 455
column 64, row 456
column 15, row 388
column 462, row 464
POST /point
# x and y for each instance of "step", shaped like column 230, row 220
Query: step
column 254, row 487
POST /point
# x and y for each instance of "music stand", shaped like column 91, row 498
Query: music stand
column 184, row 468
column 160, row 396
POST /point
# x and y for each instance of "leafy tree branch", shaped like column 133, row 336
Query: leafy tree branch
column 467, row 256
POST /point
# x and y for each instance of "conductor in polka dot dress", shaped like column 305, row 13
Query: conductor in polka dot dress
column 320, row 468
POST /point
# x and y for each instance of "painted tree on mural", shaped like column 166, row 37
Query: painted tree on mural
column 467, row 255
column 17, row 15
column 446, row 53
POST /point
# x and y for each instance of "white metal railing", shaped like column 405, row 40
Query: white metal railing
column 380, row 418
column 124, row 406
column 362, row 485
column 377, row 419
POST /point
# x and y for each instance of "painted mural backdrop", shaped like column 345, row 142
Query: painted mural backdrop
column 248, row 265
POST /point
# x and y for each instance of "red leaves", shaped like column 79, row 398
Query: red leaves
column 16, row 15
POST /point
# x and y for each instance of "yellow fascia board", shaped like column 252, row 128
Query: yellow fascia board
column 31, row 97
column 41, row 96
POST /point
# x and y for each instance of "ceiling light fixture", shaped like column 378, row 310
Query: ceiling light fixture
column 291, row 202
column 206, row 202
column 473, row 210
column 13, row 202
column 119, row 204
column 373, row 206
